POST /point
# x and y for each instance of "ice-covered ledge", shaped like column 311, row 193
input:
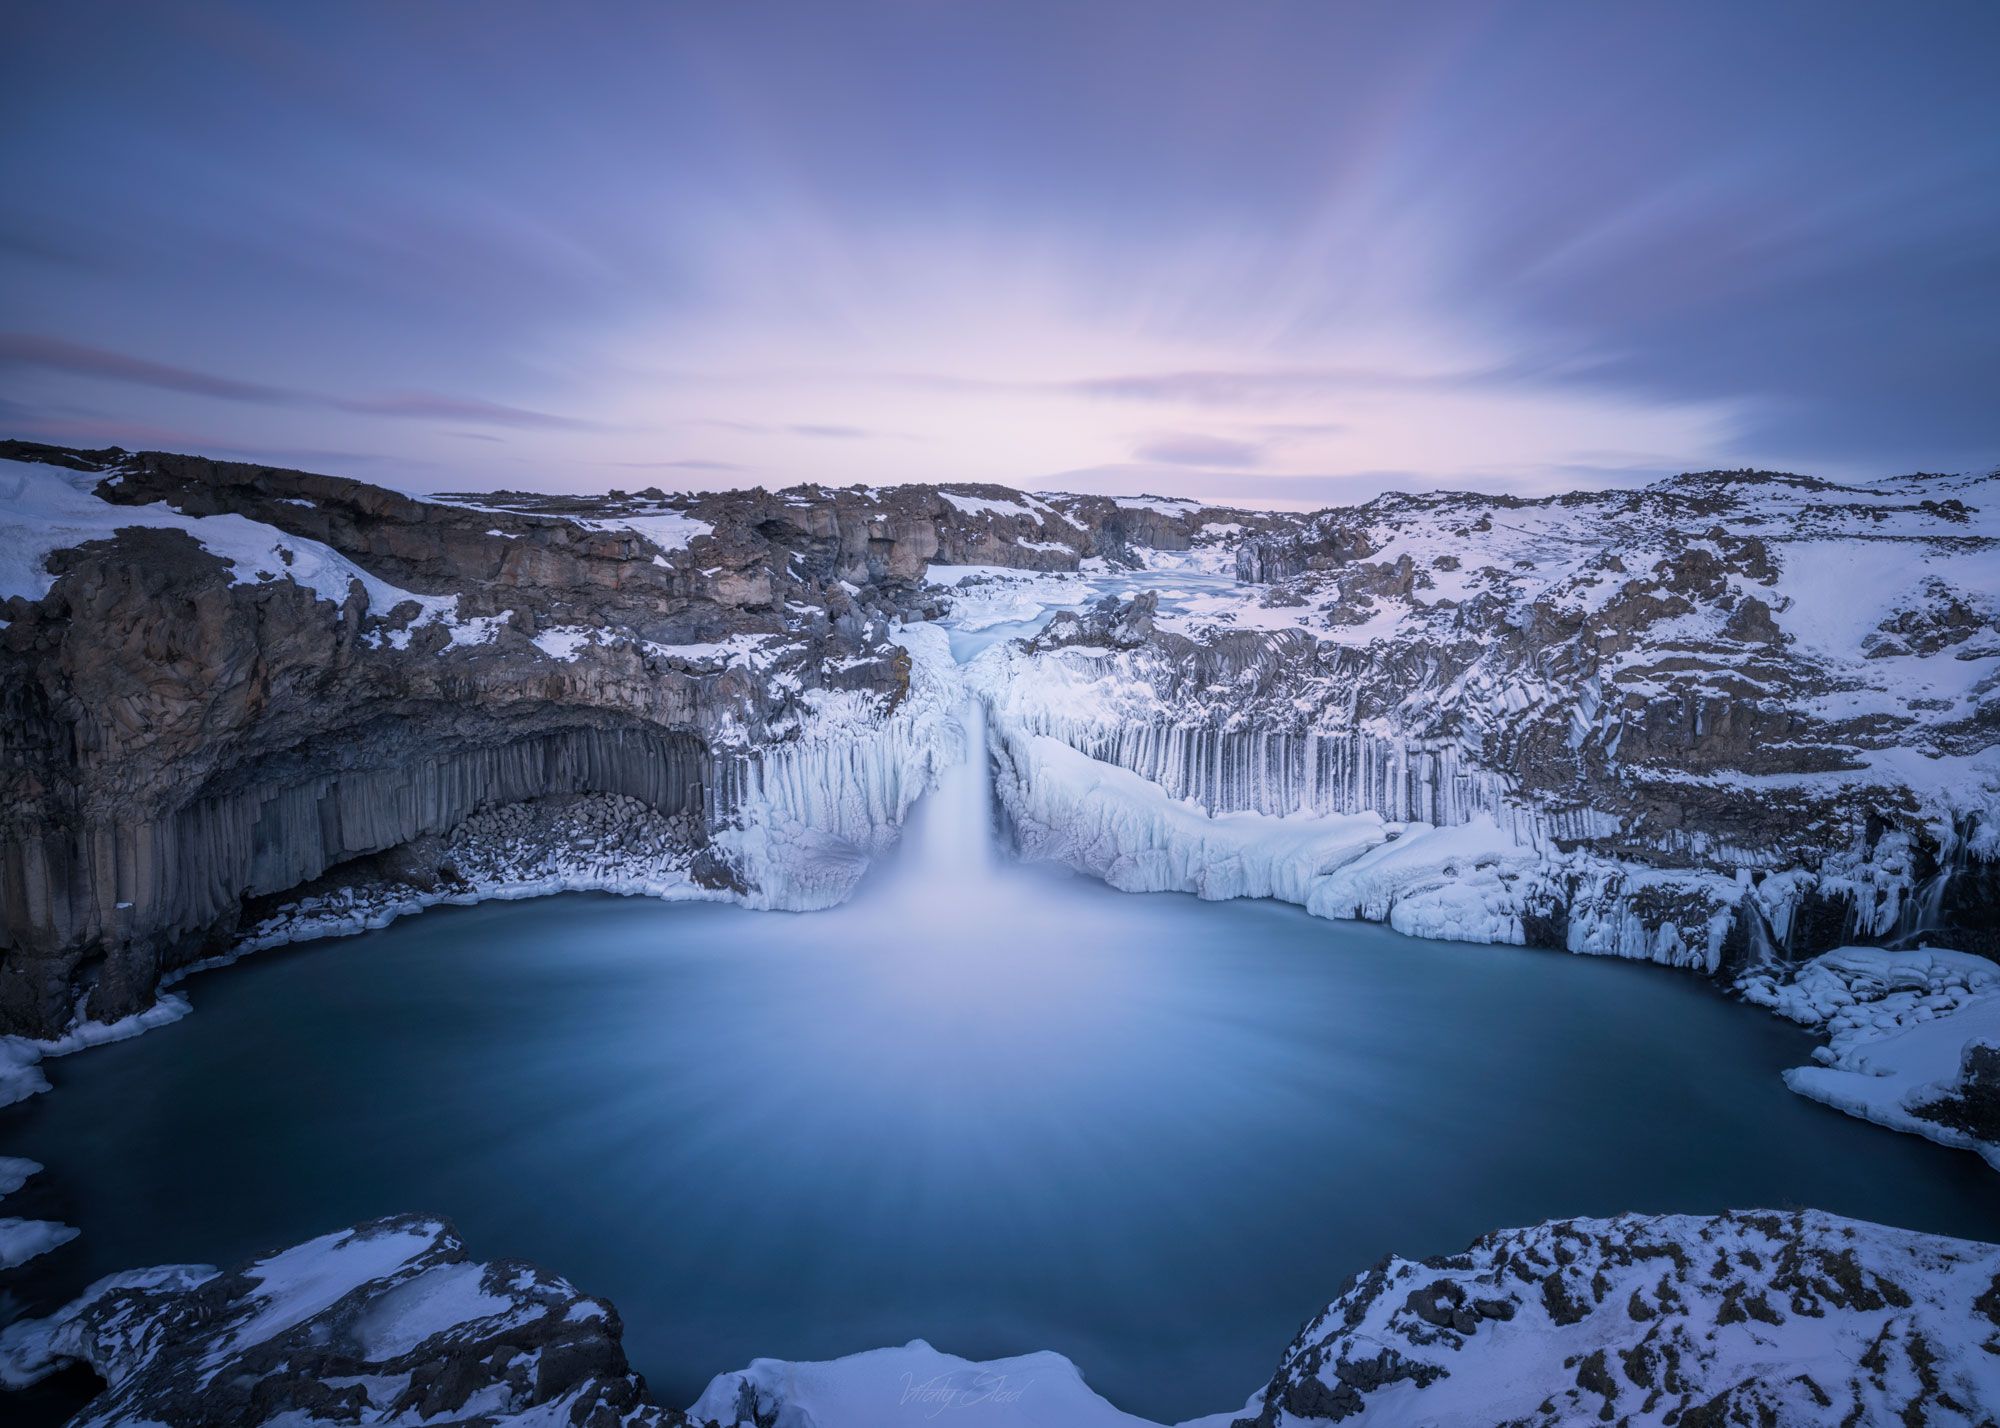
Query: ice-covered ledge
column 1460, row 883
column 1913, row 1039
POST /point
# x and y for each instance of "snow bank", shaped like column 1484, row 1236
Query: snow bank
column 1898, row 1024
column 21, row 1240
column 915, row 1385
column 21, row 1076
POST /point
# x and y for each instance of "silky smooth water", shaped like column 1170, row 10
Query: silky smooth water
column 1000, row 1112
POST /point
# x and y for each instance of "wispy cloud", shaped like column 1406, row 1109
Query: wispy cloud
column 1354, row 241
column 1189, row 448
column 53, row 354
column 688, row 465
column 27, row 349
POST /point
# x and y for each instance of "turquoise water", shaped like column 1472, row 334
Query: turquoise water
column 1152, row 1133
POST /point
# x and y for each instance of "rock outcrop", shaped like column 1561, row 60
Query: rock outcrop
column 390, row 1321
column 1747, row 1318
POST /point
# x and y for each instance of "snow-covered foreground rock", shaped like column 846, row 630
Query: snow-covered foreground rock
column 389, row 1322
column 1913, row 1039
column 1746, row 1318
column 912, row 1386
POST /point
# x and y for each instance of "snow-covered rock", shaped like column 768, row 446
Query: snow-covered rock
column 1910, row 1036
column 1735, row 711
column 389, row 1322
column 1758, row 1317
column 1754, row 1317
column 912, row 1387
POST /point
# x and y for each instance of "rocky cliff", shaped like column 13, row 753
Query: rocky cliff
column 1729, row 717
column 224, row 683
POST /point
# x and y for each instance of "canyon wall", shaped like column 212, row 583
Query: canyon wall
column 1734, row 716
column 220, row 681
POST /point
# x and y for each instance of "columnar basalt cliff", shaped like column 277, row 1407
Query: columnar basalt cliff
column 1730, row 716
column 1730, row 719
column 221, row 681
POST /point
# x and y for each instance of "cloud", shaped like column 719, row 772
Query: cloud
column 26, row 349
column 430, row 406
column 53, row 354
column 1195, row 449
column 690, row 465
column 831, row 431
column 95, row 433
column 1253, row 387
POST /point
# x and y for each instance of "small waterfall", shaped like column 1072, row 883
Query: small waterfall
column 947, row 861
column 1924, row 912
column 952, row 841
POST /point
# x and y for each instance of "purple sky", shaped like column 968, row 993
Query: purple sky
column 1274, row 253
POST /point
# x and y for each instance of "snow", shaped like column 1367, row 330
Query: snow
column 981, row 505
column 668, row 530
column 32, row 1349
column 1898, row 1024
column 21, row 1240
column 85, row 1034
column 989, row 595
column 567, row 642
column 51, row 508
column 1165, row 505
column 1758, row 1316
column 398, row 1321
column 1454, row 883
column 478, row 629
column 300, row 1282
column 16, row 1171
column 1839, row 591
column 20, row 1074
column 919, row 1386
column 730, row 651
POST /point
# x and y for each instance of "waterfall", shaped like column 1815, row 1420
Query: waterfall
column 1924, row 911
column 951, row 841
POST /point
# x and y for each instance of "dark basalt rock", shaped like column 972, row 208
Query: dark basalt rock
column 1111, row 622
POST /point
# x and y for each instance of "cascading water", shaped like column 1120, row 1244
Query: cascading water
column 958, row 839
column 948, row 842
